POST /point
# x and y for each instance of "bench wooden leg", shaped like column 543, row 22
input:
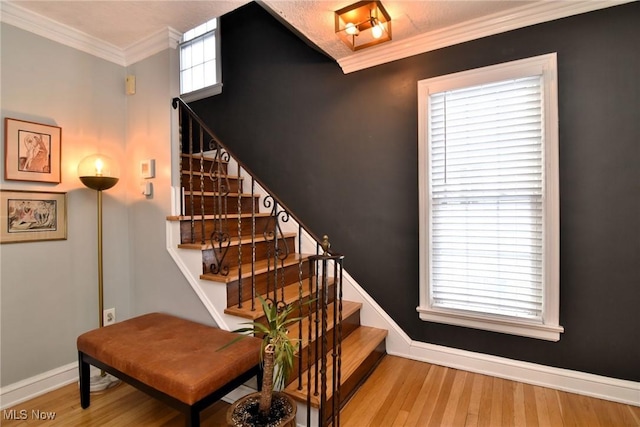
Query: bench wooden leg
column 85, row 381
column 192, row 417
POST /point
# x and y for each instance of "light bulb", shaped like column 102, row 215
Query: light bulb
column 350, row 29
column 99, row 165
column 98, row 172
column 377, row 31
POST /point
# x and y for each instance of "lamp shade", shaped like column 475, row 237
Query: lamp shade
column 98, row 172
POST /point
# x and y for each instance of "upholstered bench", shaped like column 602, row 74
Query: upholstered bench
column 183, row 363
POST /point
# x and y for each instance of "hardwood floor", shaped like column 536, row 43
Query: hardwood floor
column 422, row 395
column 430, row 395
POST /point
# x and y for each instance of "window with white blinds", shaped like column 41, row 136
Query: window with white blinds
column 488, row 139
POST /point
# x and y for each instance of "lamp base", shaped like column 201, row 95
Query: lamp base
column 100, row 383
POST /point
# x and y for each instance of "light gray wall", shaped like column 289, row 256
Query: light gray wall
column 158, row 284
column 48, row 290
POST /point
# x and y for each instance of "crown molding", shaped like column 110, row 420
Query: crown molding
column 167, row 38
column 530, row 14
column 35, row 23
column 523, row 16
column 63, row 34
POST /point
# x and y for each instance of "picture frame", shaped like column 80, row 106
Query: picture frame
column 32, row 151
column 31, row 216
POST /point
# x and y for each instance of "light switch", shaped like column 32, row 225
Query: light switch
column 147, row 189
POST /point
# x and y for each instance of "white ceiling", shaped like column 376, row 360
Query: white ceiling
column 122, row 24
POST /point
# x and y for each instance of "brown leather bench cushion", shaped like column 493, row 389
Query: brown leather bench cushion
column 176, row 356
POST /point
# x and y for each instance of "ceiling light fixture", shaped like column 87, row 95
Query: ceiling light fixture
column 363, row 24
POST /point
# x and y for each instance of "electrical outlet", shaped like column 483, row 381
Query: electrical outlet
column 109, row 316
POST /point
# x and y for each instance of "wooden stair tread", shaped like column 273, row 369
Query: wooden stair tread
column 207, row 174
column 291, row 295
column 215, row 194
column 260, row 266
column 233, row 241
column 231, row 216
column 199, row 156
column 355, row 349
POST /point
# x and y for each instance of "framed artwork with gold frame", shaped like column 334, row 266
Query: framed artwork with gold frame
column 30, row 216
column 32, row 151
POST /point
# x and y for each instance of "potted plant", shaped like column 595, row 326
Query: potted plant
column 266, row 407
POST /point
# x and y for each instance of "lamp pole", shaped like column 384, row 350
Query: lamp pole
column 99, row 173
column 99, row 183
column 100, row 277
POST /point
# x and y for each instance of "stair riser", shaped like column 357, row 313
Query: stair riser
column 229, row 225
column 208, row 165
column 349, row 324
column 265, row 281
column 306, row 306
column 228, row 257
column 214, row 205
column 232, row 185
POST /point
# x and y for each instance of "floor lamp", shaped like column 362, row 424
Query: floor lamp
column 99, row 173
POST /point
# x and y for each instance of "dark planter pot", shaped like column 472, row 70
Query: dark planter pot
column 243, row 412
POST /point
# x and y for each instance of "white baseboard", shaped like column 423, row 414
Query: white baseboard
column 29, row 388
column 613, row 389
column 400, row 344
column 38, row 385
column 616, row 390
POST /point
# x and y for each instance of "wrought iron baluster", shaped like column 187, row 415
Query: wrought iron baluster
column 253, row 245
column 220, row 237
column 276, row 253
column 274, row 238
column 336, row 420
column 180, row 156
column 335, row 401
column 323, row 349
column 202, row 208
column 317, row 329
column 191, row 201
column 299, row 239
column 300, row 299
column 239, row 245
column 310, row 266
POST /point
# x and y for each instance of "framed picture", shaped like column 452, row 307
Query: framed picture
column 30, row 216
column 32, row 151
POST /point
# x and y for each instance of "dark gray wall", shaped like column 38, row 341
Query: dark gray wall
column 341, row 152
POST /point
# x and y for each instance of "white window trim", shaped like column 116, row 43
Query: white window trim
column 549, row 328
column 202, row 93
column 214, row 89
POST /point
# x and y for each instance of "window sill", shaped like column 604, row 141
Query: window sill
column 496, row 324
column 205, row 92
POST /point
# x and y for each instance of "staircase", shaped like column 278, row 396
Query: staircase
column 250, row 245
